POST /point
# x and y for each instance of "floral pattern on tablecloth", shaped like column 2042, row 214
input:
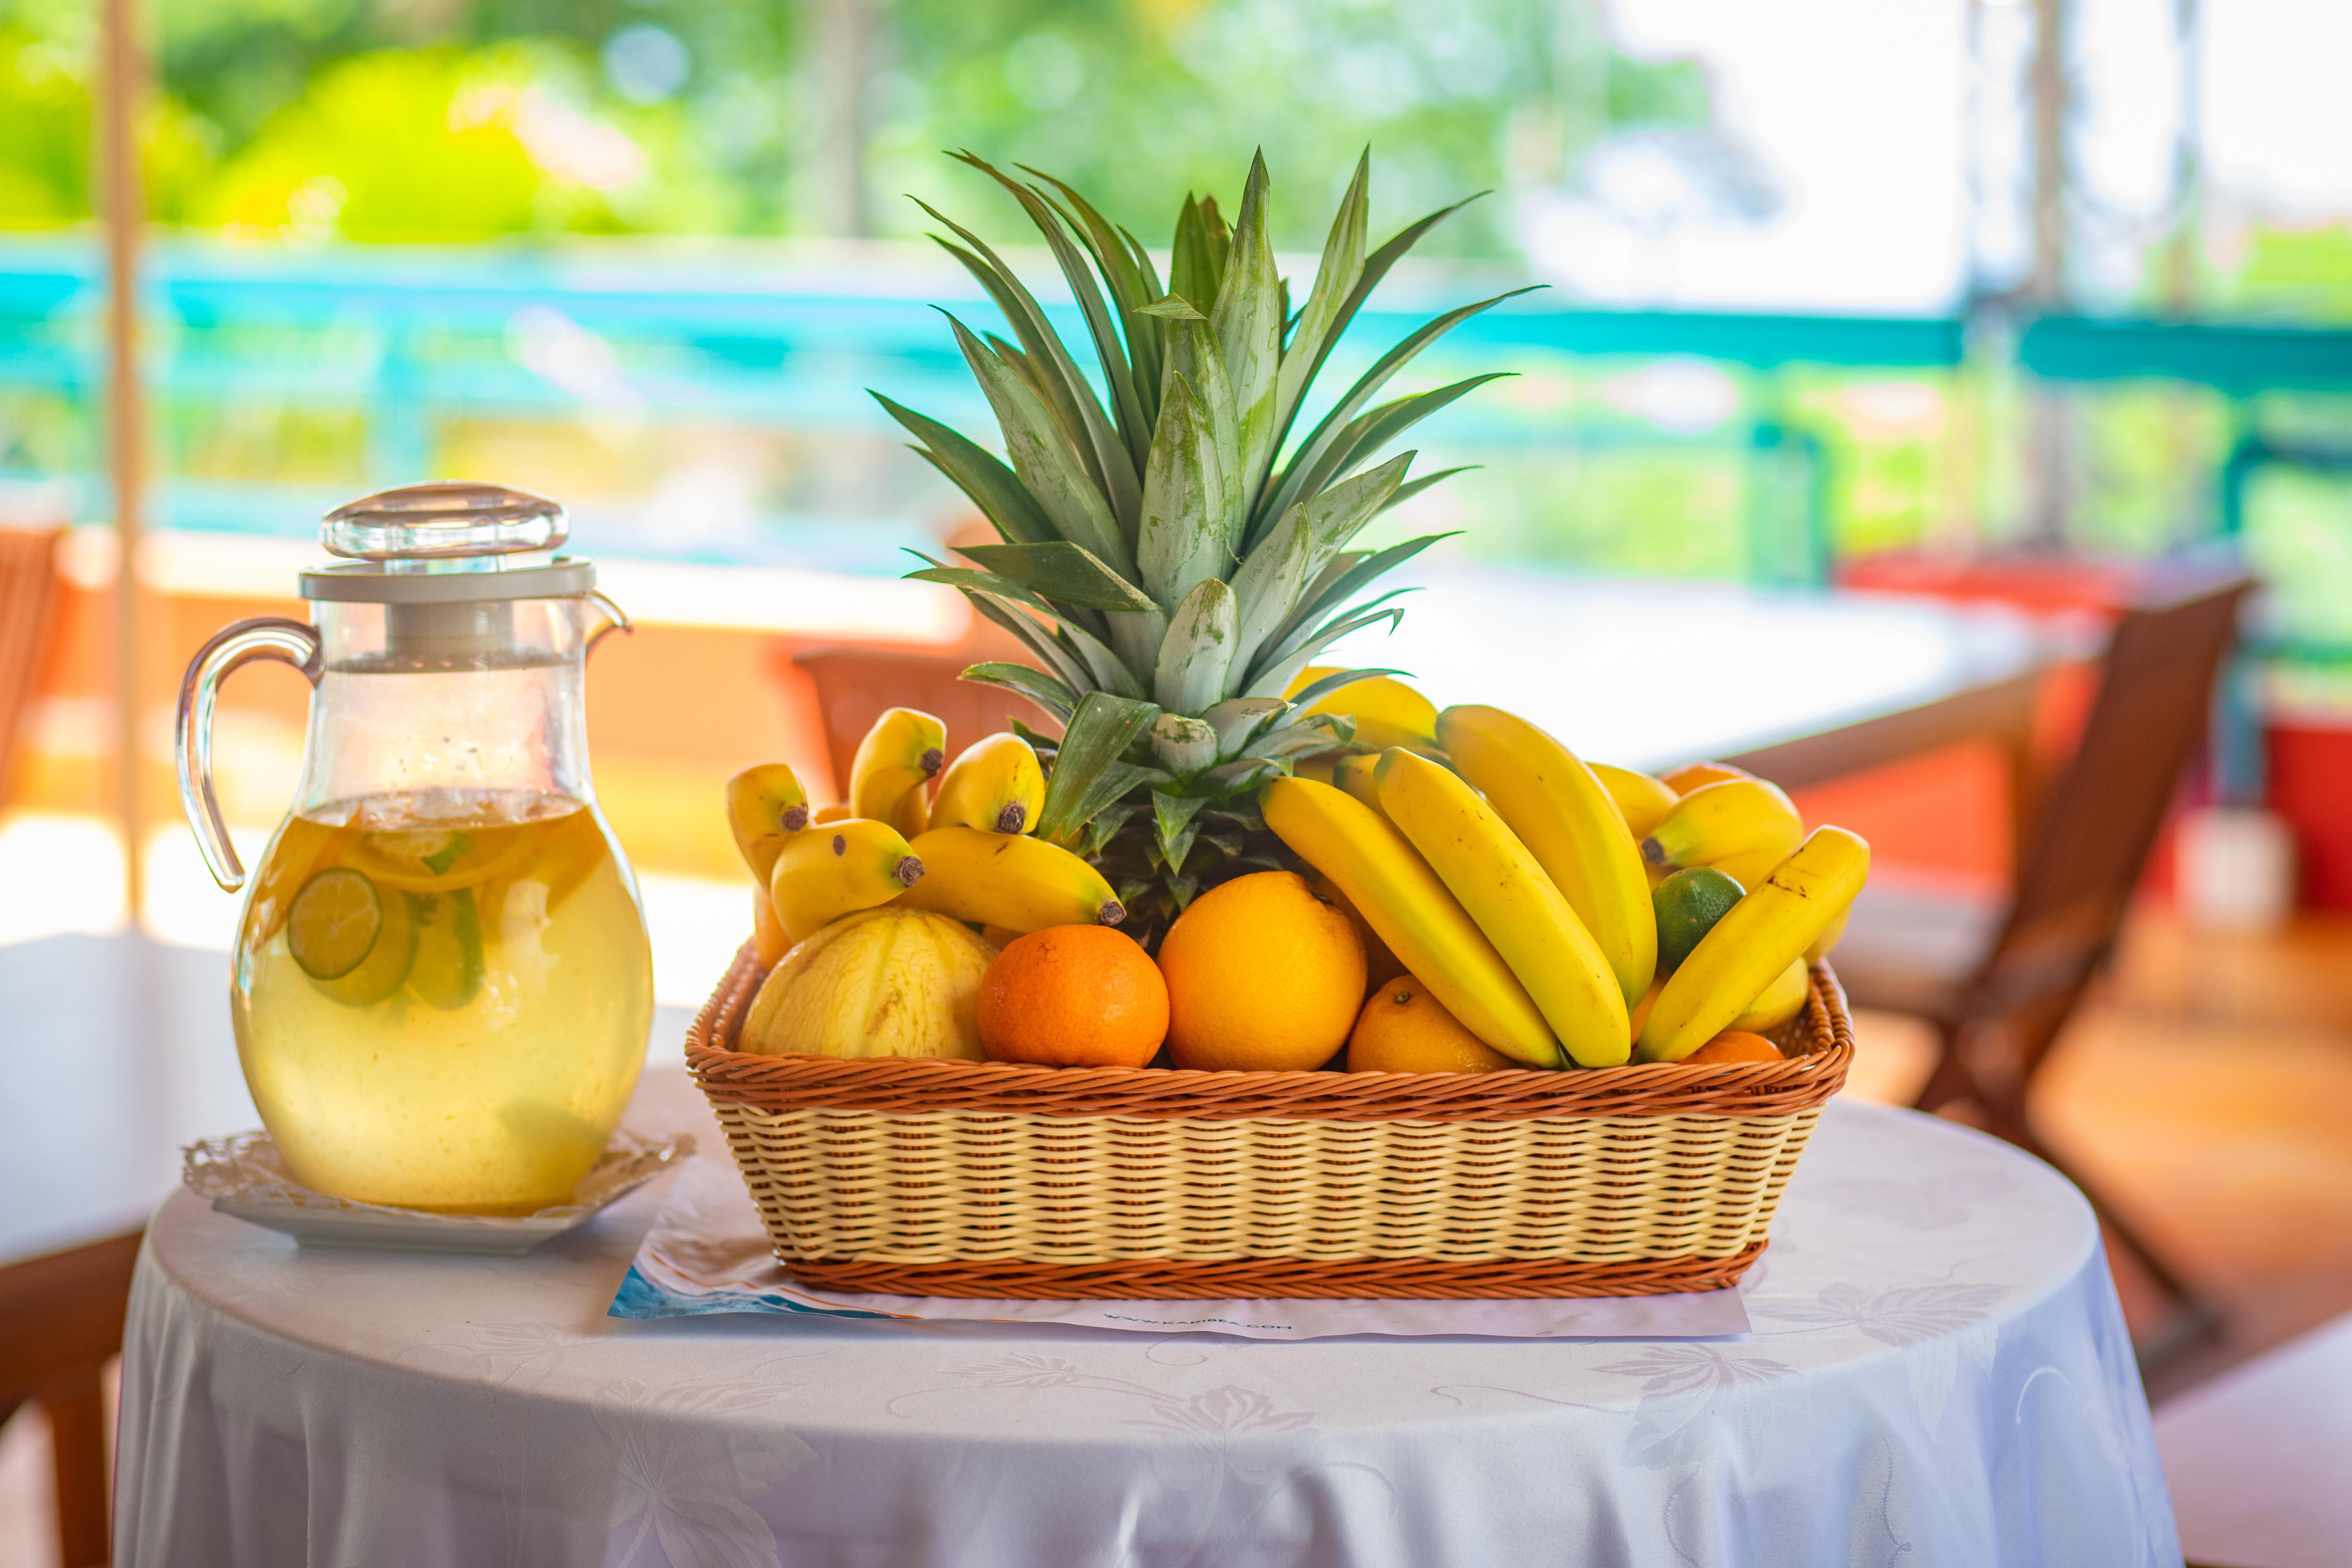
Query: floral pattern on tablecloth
column 1937, row 1375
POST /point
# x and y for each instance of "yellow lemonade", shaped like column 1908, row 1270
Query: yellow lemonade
column 441, row 1001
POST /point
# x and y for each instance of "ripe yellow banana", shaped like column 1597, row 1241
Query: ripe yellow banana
column 912, row 815
column 1354, row 774
column 996, row 787
column 765, row 806
column 826, row 814
column 1499, row 885
column 839, row 869
column 1749, row 869
column 1387, row 711
column 1716, row 821
column 1641, row 800
column 1020, row 883
column 896, row 758
column 1751, row 945
column 1782, row 1001
column 1563, row 813
column 1406, row 902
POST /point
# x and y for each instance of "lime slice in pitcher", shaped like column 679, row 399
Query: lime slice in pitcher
column 351, row 940
column 448, row 967
column 335, row 923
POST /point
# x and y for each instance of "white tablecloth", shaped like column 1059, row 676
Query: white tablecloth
column 1939, row 1375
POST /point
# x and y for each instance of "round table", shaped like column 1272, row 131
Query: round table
column 1938, row 1374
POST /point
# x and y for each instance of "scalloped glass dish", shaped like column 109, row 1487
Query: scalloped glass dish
column 245, row 1176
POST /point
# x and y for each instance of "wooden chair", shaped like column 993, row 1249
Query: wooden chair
column 853, row 685
column 1999, row 986
column 60, row 1322
column 28, row 596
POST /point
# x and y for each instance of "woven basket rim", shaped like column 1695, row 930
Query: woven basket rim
column 1823, row 1035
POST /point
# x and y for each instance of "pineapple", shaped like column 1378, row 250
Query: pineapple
column 1169, row 569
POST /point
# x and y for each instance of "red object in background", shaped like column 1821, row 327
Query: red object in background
column 2311, row 787
column 1940, row 818
column 1946, row 817
column 2038, row 585
column 2310, row 761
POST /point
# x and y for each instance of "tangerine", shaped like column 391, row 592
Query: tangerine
column 1696, row 776
column 1263, row 977
column 1403, row 1028
column 1734, row 1045
column 1073, row 996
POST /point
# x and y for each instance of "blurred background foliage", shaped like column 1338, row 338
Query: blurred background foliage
column 343, row 118
column 539, row 123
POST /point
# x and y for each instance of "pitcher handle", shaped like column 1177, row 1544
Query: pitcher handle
column 263, row 637
column 615, row 618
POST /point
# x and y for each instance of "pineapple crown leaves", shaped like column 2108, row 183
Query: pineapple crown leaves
column 1182, row 552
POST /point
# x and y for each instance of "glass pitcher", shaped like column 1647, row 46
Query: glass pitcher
column 441, row 986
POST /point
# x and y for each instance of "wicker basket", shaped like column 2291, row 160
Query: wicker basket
column 938, row 1178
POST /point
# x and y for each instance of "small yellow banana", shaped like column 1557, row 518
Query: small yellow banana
column 1749, row 869
column 1321, row 767
column 1500, row 886
column 1752, row 945
column 996, row 787
column 765, row 806
column 912, row 815
column 1406, row 903
column 1641, row 800
column 1354, row 774
column 1782, row 1001
column 838, row 869
column 826, row 814
column 898, row 757
column 1716, row 821
column 1387, row 711
column 1563, row 813
column 1020, row 883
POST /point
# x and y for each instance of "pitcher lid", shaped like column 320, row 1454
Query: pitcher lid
column 447, row 542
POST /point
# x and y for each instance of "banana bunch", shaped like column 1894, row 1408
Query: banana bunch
column 1515, row 881
column 961, row 851
column 1504, row 878
column 1748, row 970
column 1749, row 949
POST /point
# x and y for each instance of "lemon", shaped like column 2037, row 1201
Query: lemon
column 355, row 944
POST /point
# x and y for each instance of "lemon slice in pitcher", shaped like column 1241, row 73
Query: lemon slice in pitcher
column 351, row 941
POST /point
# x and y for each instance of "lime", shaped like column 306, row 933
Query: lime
column 1687, row 904
column 448, row 967
column 354, row 943
column 336, row 920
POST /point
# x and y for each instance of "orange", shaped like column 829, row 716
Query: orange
column 1403, row 1028
column 1073, row 996
column 1261, row 976
column 1734, row 1046
column 769, row 936
column 1642, row 1009
column 1682, row 781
